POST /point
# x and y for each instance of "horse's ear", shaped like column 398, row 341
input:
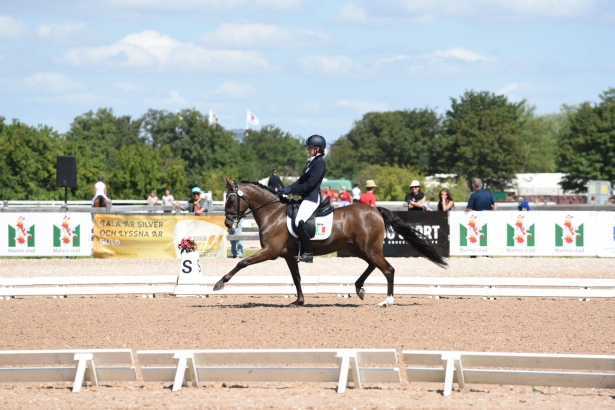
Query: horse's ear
column 230, row 185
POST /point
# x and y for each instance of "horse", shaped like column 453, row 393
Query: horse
column 359, row 229
column 99, row 202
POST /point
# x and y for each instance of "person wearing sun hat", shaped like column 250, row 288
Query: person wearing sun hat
column 415, row 199
column 368, row 198
column 198, row 202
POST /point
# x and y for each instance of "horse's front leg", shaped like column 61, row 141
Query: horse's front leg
column 260, row 256
column 294, row 270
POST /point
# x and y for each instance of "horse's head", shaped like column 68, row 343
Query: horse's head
column 236, row 204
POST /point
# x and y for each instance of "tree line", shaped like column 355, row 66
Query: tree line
column 481, row 135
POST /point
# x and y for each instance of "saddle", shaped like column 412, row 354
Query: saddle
column 323, row 209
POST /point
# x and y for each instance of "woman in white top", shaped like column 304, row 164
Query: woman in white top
column 100, row 189
column 167, row 198
column 152, row 199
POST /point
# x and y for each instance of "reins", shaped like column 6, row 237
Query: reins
column 240, row 215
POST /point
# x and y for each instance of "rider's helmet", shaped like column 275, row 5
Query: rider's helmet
column 315, row 141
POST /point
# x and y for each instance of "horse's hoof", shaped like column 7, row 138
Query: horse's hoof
column 219, row 286
column 296, row 303
column 361, row 293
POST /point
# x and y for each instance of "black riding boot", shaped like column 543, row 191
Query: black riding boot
column 306, row 245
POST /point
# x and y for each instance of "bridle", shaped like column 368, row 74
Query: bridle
column 238, row 215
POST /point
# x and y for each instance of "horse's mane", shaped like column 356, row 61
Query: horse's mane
column 258, row 184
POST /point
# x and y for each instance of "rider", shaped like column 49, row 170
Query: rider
column 308, row 186
column 100, row 189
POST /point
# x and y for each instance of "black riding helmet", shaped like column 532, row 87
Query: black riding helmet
column 315, row 141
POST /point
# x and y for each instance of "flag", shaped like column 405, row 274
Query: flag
column 251, row 119
column 213, row 118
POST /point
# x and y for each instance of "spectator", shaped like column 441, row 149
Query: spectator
column 236, row 246
column 197, row 204
column 481, row 199
column 356, row 194
column 329, row 193
column 416, row 199
column 152, row 199
column 167, row 198
column 592, row 201
column 100, row 190
column 345, row 197
column 523, row 204
column 446, row 200
column 368, row 198
column 275, row 182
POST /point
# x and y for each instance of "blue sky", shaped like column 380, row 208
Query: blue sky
column 306, row 66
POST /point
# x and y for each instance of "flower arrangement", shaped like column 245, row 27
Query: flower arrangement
column 187, row 245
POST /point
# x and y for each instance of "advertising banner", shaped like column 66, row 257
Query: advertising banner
column 605, row 234
column 45, row 234
column 157, row 236
column 514, row 233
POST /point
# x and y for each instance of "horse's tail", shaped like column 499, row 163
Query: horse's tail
column 416, row 239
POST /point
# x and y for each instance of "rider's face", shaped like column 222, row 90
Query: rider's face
column 311, row 150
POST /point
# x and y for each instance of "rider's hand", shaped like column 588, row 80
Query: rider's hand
column 284, row 191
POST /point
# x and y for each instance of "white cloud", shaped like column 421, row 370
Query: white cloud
column 52, row 83
column 129, row 87
column 334, row 66
column 66, row 33
column 85, row 99
column 260, row 36
column 152, row 51
column 525, row 89
column 417, row 12
column 362, row 107
column 232, row 90
column 460, row 53
column 174, row 101
column 12, row 28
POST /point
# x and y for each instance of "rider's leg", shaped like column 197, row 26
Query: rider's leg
column 306, row 209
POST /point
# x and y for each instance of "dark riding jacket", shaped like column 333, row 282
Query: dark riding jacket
column 308, row 184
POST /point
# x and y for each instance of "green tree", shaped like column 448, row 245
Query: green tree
column 28, row 162
column 403, row 138
column 270, row 148
column 96, row 140
column 188, row 134
column 482, row 138
column 393, row 181
column 538, row 141
column 586, row 145
column 141, row 168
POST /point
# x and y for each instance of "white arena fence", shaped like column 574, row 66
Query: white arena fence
column 343, row 366
column 149, row 286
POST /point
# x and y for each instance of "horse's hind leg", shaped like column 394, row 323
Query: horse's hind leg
column 377, row 259
column 294, row 270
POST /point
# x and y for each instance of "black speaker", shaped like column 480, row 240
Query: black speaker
column 66, row 172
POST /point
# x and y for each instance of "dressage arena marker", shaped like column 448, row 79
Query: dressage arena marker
column 452, row 368
column 196, row 366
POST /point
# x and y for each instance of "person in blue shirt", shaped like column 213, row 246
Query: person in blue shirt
column 481, row 199
column 308, row 186
column 523, row 204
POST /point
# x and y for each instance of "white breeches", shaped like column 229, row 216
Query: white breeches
column 306, row 209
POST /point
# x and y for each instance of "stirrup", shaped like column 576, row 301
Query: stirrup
column 306, row 257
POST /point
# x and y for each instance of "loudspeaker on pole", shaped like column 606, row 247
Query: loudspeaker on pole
column 66, row 172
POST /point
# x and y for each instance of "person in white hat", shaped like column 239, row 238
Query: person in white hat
column 415, row 199
column 368, row 198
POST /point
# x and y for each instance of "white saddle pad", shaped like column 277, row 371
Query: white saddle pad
column 324, row 225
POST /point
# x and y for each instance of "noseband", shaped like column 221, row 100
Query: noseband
column 237, row 215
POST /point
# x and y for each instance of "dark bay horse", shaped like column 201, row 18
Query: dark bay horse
column 360, row 229
column 99, row 202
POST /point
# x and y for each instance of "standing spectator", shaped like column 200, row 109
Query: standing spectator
column 100, row 190
column 416, row 199
column 446, row 200
column 197, row 204
column 167, row 198
column 523, row 204
column 274, row 181
column 481, row 199
column 236, row 246
column 345, row 197
column 152, row 199
column 356, row 194
column 592, row 201
column 368, row 198
column 329, row 193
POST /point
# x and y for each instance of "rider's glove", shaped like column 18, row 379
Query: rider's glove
column 284, row 191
